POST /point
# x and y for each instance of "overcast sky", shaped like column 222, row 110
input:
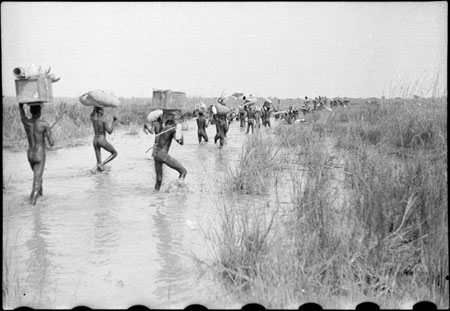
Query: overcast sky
column 285, row 50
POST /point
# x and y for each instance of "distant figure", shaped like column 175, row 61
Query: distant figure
column 101, row 127
column 266, row 115
column 250, row 119
column 258, row 118
column 307, row 103
column 221, row 130
column 202, row 124
column 36, row 130
column 160, row 152
column 242, row 116
column 305, row 107
column 290, row 115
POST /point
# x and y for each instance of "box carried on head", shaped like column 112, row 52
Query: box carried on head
column 33, row 90
column 34, row 85
column 167, row 99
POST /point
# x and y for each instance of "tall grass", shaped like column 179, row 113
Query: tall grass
column 385, row 240
column 256, row 164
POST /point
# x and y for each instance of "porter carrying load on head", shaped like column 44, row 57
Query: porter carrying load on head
column 34, row 87
column 163, row 141
column 37, row 130
column 100, row 99
column 251, row 118
column 202, row 124
column 101, row 127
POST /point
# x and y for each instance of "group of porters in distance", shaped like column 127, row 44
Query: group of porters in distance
column 33, row 87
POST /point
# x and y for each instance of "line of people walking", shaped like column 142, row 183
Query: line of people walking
column 38, row 130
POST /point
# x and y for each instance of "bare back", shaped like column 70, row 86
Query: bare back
column 99, row 124
column 37, row 130
column 201, row 123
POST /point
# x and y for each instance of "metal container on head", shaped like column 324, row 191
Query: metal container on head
column 32, row 90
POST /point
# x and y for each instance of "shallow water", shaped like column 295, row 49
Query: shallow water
column 108, row 240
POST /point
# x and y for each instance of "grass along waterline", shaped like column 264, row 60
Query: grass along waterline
column 387, row 242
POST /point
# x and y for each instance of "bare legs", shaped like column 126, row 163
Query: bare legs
column 221, row 139
column 38, row 172
column 173, row 164
column 100, row 142
column 202, row 134
column 250, row 123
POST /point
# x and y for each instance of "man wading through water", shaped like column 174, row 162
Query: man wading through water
column 202, row 124
column 100, row 127
column 163, row 140
column 250, row 118
column 221, row 130
column 36, row 129
column 266, row 114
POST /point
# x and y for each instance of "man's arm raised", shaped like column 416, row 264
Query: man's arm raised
column 108, row 128
column 23, row 117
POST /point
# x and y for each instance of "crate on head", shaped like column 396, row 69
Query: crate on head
column 34, row 90
column 171, row 114
column 167, row 99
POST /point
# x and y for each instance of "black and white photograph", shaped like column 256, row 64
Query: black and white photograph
column 224, row 155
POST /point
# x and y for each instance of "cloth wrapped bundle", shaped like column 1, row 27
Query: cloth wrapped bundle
column 99, row 98
column 251, row 100
column 201, row 106
column 154, row 115
column 221, row 109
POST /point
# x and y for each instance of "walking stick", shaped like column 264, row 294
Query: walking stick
column 58, row 119
column 160, row 134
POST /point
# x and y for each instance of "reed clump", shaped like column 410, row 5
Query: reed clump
column 377, row 233
column 256, row 164
column 243, row 244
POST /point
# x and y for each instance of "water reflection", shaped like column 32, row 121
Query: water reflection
column 169, row 221
column 38, row 263
column 222, row 160
column 114, row 241
column 105, row 224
